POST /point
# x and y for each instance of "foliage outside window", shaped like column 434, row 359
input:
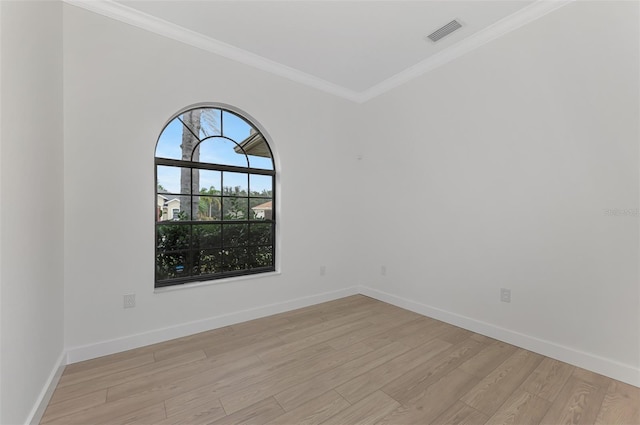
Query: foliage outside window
column 215, row 198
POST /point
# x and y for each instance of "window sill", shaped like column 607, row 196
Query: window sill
column 214, row 282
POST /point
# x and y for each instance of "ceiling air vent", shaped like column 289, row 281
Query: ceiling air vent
column 444, row 31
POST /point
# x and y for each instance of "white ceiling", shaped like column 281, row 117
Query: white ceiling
column 355, row 49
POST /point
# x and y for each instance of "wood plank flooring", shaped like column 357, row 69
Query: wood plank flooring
column 350, row 361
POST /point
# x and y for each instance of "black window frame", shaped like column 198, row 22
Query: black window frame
column 221, row 222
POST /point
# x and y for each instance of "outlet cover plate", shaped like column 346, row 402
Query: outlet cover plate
column 505, row 295
column 129, row 300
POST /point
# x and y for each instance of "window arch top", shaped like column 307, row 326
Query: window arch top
column 214, row 136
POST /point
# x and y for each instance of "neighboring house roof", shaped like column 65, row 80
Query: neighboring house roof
column 254, row 145
column 167, row 201
column 265, row 206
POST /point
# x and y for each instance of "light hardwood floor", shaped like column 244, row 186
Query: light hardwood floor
column 350, row 361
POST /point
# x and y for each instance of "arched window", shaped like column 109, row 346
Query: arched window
column 215, row 198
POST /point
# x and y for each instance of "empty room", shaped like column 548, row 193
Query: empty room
column 319, row 212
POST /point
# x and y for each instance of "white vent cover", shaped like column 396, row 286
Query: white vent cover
column 444, row 31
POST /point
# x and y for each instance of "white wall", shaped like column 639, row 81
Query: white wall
column 121, row 85
column 31, row 194
column 499, row 168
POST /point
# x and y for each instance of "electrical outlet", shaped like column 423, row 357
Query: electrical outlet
column 129, row 300
column 383, row 270
column 505, row 295
column 323, row 270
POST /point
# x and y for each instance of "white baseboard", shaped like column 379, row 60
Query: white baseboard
column 91, row 351
column 47, row 391
column 616, row 370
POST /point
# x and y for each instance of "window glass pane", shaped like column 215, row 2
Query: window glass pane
column 207, row 236
column 174, row 189
column 260, row 234
column 170, row 140
column 235, row 259
column 235, row 208
column 217, row 150
column 260, row 209
column 187, row 210
column 261, row 256
column 209, row 261
column 210, row 120
column 173, row 237
column 235, row 127
column 190, row 135
column 172, row 207
column 251, row 141
column 235, row 184
column 172, row 265
column 261, row 185
column 257, row 151
column 191, row 123
column 199, row 124
column 210, row 182
column 209, row 208
column 235, row 234
column 173, row 179
column 260, row 162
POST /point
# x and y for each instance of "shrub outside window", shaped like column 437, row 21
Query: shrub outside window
column 215, row 198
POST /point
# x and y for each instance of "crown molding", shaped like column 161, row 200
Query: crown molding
column 504, row 26
column 131, row 16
